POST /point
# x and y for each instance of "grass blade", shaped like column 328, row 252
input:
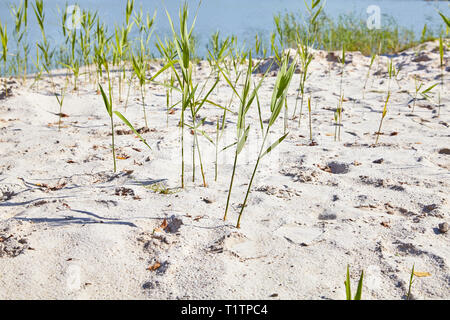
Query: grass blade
column 269, row 149
column 117, row 113
column 359, row 290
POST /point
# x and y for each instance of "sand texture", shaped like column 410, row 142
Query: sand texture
column 71, row 228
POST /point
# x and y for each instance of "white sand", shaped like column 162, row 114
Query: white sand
column 66, row 234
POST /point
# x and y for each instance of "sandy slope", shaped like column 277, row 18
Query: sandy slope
column 71, row 229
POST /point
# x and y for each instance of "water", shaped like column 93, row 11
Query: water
column 243, row 18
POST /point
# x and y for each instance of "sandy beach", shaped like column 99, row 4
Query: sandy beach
column 71, row 228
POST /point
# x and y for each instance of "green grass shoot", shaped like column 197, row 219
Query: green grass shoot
column 383, row 115
column 411, row 281
column 348, row 290
column 107, row 100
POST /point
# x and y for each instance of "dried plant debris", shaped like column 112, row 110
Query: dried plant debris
column 225, row 242
column 6, row 193
column 6, row 88
column 173, row 225
column 284, row 192
column 5, row 93
column 157, row 243
column 11, row 243
column 327, row 214
column 46, row 187
column 384, row 183
column 142, row 130
column 443, row 227
column 122, row 191
column 302, row 174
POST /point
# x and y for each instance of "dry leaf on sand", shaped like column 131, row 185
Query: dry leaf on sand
column 154, row 267
column 164, row 224
column 422, row 274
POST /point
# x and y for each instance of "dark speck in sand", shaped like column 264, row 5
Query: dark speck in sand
column 338, row 167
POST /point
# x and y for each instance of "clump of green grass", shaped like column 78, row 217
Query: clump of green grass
column 120, row 47
column 161, row 189
column 260, row 48
column 350, row 30
column 108, row 101
column 304, row 39
column 73, row 64
column 145, row 26
column 279, row 94
column 246, row 99
column 183, row 46
column 88, row 19
column 305, row 60
column 20, row 15
column 391, row 73
column 315, row 9
column 195, row 108
column 221, row 122
column 424, row 93
column 44, row 48
column 140, row 68
column 167, row 50
column 217, row 52
column 418, row 85
column 277, row 42
column 348, row 290
column 44, row 45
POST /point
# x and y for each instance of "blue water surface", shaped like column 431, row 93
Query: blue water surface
column 243, row 18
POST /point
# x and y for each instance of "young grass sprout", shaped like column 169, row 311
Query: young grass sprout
column 305, row 60
column 424, row 93
column 140, row 68
column 342, row 60
column 338, row 119
column 348, row 290
column 310, row 121
column 372, row 59
column 60, row 98
column 411, row 281
column 383, row 115
column 441, row 64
